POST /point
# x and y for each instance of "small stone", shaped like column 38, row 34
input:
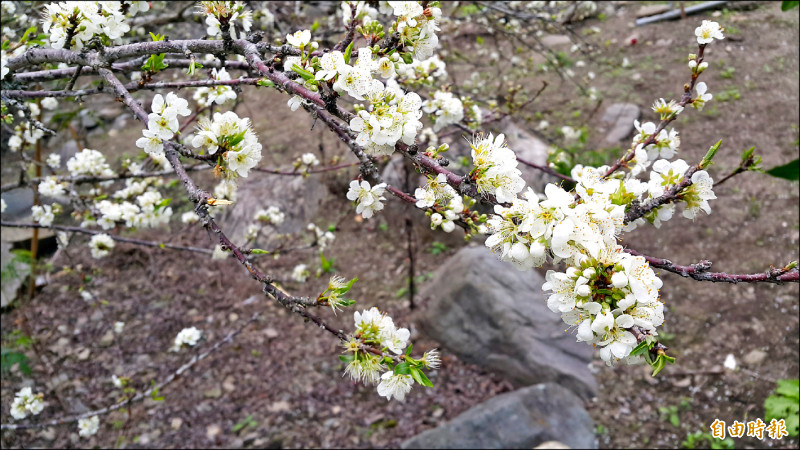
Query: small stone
column 279, row 406
column 176, row 423
column 214, row 392
column 83, row 355
column 49, row 434
column 271, row 333
column 233, row 317
column 686, row 382
column 621, row 117
column 755, row 357
column 96, row 315
column 229, row 384
column 336, row 409
column 651, row 10
column 552, row 444
column 107, row 339
column 213, row 431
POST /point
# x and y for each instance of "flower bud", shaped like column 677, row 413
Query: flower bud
column 537, row 249
column 519, row 252
column 572, row 272
column 583, row 290
column 619, row 280
column 588, row 273
column 436, row 219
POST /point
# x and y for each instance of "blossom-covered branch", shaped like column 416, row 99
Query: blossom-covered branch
column 700, row 272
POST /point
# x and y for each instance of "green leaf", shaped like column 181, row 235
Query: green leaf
column 9, row 357
column 787, row 5
column 785, row 404
column 258, row 251
column 789, row 388
column 22, row 255
column 479, row 40
column 308, row 76
column 710, row 154
column 402, row 369
column 419, row 377
column 315, row 26
column 789, row 171
column 326, row 264
column 408, row 350
column 347, row 53
column 641, row 348
column 162, row 204
column 408, row 58
column 347, row 358
column 265, row 83
column 343, row 290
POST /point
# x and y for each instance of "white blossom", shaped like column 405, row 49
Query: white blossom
column 394, row 385
column 88, row 427
column 708, row 31
column 187, row 336
column 101, row 245
column 370, row 199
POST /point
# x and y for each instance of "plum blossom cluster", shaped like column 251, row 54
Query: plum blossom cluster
column 495, row 172
column 321, row 237
column 233, row 138
column 26, row 402
column 376, row 330
column 604, row 298
column 418, row 72
column 78, row 22
column 148, row 210
column 230, row 14
column 369, row 198
column 445, row 203
column 162, row 123
column 272, row 215
column 208, row 95
column 417, row 26
column 445, row 109
column 605, row 293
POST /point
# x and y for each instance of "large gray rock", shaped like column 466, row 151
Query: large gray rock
column 14, row 273
column 521, row 419
column 298, row 198
column 620, row 117
column 529, row 148
column 494, row 316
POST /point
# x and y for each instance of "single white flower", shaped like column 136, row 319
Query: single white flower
column 101, row 245
column 187, row 336
column 394, row 385
column 88, row 427
column 708, row 31
column 299, row 39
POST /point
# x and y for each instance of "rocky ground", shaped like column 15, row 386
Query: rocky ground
column 280, row 384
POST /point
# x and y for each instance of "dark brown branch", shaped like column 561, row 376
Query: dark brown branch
column 699, row 272
column 114, row 237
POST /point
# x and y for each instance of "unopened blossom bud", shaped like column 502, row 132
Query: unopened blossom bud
column 692, row 64
column 703, row 66
column 619, row 280
column 583, row 290
column 519, row 251
column 572, row 272
column 436, row 219
column 537, row 249
column 588, row 273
